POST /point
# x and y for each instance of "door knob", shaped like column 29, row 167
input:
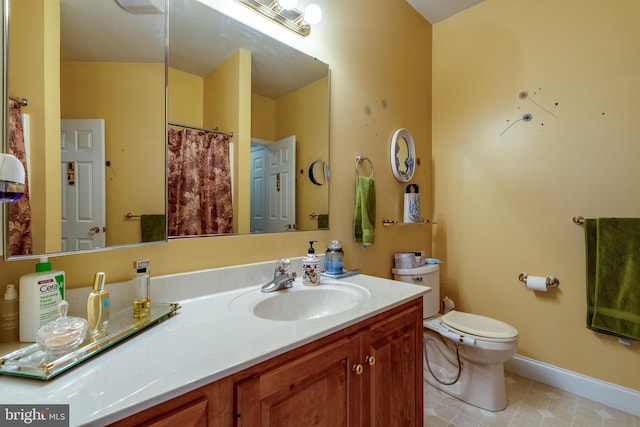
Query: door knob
column 94, row 230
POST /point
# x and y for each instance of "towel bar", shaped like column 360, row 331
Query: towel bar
column 386, row 222
column 360, row 158
column 578, row 220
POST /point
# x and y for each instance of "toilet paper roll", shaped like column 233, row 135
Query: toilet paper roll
column 537, row 283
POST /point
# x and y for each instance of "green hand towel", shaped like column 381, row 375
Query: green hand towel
column 590, row 244
column 323, row 221
column 364, row 216
column 613, row 280
column 153, row 228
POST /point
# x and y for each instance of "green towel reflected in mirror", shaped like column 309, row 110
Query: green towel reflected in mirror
column 153, row 228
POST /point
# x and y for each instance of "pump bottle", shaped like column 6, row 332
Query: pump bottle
column 40, row 294
column 311, row 266
column 9, row 308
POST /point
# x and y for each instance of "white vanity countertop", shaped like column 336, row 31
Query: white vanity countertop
column 204, row 342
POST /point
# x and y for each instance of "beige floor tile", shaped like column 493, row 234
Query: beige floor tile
column 530, row 404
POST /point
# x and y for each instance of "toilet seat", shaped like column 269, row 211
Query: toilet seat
column 485, row 328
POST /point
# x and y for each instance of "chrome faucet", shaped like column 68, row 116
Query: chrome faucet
column 281, row 278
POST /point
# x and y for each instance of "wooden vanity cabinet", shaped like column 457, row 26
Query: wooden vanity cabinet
column 392, row 378
column 368, row 374
column 315, row 389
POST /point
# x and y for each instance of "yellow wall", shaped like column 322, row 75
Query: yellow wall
column 184, row 104
column 34, row 52
column 263, row 117
column 504, row 203
column 129, row 97
column 227, row 106
column 365, row 72
column 304, row 113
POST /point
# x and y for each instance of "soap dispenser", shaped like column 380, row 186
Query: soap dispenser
column 311, row 266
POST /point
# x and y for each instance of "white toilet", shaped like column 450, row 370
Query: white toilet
column 479, row 345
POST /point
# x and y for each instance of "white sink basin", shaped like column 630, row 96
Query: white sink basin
column 301, row 302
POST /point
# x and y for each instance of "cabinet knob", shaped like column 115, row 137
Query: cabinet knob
column 357, row 369
column 371, row 360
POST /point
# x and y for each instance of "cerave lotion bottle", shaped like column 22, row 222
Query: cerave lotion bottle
column 40, row 294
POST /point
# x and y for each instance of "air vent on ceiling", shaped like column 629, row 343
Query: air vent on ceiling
column 142, row 7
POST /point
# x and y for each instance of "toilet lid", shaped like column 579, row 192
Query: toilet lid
column 481, row 326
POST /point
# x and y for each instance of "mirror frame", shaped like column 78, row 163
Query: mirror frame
column 410, row 161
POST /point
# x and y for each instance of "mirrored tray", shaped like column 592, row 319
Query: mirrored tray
column 31, row 362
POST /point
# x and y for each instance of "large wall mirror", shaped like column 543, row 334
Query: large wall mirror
column 274, row 99
column 90, row 69
column 89, row 80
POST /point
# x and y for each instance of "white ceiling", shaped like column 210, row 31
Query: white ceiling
column 437, row 10
column 200, row 39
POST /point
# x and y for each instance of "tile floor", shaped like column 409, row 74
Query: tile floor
column 529, row 404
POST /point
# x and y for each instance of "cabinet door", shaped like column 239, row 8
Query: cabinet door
column 316, row 389
column 194, row 414
column 199, row 408
column 392, row 379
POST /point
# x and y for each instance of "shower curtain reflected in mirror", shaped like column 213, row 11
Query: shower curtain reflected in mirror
column 199, row 183
column 19, row 213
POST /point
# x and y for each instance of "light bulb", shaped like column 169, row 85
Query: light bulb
column 287, row 4
column 312, row 14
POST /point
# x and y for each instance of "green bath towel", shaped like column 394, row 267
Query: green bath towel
column 613, row 276
column 364, row 216
column 153, row 228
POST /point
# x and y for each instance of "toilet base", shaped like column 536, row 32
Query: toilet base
column 481, row 385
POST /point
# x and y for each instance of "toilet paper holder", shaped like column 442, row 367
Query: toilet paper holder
column 552, row 282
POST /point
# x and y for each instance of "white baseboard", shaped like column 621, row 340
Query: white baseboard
column 622, row 398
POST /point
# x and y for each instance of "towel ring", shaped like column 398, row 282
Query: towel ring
column 360, row 158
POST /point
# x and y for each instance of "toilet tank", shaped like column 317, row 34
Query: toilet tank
column 426, row 275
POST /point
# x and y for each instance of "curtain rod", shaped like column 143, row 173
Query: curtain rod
column 230, row 134
column 22, row 101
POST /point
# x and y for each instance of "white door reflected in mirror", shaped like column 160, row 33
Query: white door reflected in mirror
column 83, row 184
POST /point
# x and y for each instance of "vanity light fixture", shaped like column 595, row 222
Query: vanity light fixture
column 284, row 12
column 288, row 4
